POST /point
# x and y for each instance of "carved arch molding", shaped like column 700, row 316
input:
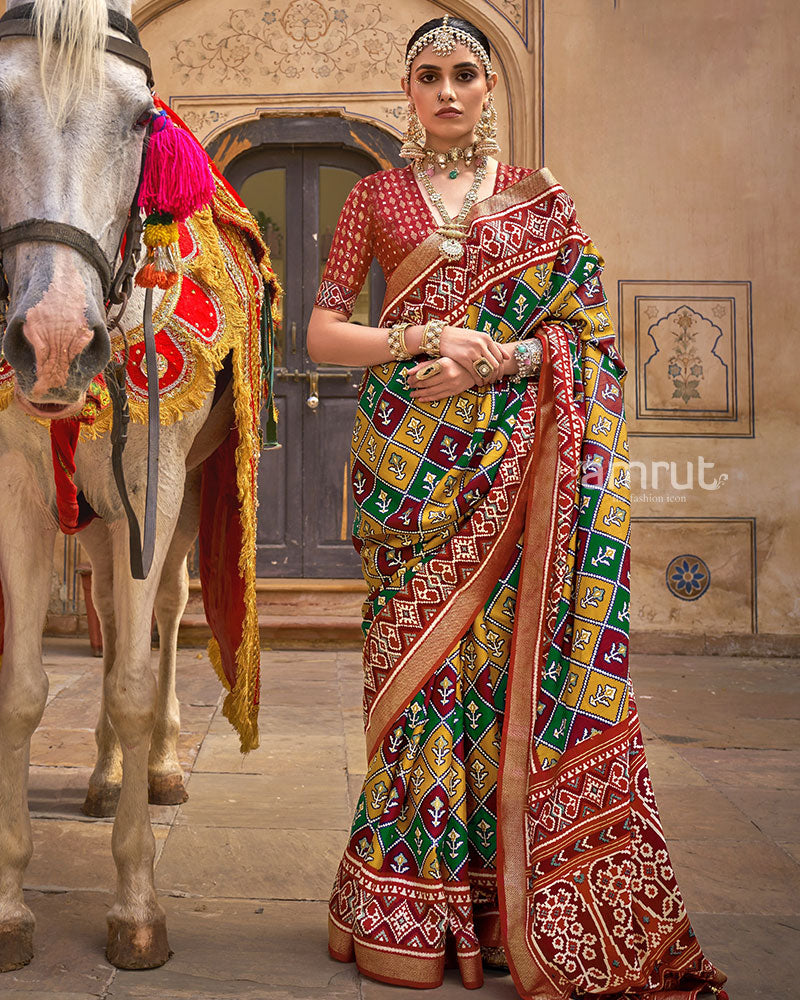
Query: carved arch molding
column 221, row 65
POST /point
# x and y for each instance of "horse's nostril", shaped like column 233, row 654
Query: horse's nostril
column 44, row 367
column 97, row 353
column 17, row 349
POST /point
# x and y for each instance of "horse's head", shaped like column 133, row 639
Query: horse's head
column 72, row 123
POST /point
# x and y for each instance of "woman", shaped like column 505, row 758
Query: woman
column 507, row 814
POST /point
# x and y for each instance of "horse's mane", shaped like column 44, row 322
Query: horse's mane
column 73, row 64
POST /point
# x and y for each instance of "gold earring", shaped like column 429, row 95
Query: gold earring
column 486, row 131
column 413, row 147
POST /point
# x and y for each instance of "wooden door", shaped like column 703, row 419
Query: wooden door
column 305, row 504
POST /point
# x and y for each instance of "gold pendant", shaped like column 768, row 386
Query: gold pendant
column 452, row 248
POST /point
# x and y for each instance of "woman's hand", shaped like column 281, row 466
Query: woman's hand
column 465, row 347
column 450, row 380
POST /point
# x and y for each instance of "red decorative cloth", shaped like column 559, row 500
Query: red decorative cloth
column 74, row 513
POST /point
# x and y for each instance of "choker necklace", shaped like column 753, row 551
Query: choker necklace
column 431, row 159
column 453, row 232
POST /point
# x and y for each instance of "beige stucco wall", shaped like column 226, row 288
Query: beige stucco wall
column 673, row 127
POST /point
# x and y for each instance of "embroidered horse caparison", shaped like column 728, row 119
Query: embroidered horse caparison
column 72, row 151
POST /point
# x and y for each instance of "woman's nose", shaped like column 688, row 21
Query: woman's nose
column 448, row 93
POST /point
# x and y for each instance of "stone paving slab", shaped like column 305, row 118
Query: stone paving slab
column 250, row 863
column 244, row 868
column 760, row 954
column 74, row 854
column 69, row 942
column 258, row 941
column 307, row 799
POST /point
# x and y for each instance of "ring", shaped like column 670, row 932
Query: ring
column 429, row 371
column 482, row 367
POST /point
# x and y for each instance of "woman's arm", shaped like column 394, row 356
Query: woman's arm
column 335, row 341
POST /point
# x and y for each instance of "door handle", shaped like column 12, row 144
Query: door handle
column 293, row 335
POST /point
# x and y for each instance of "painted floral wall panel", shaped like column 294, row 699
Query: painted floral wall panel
column 688, row 345
column 220, row 64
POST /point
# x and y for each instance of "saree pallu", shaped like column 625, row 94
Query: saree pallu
column 507, row 801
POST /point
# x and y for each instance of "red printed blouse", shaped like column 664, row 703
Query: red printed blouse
column 385, row 216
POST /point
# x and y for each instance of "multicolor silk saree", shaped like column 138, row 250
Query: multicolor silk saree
column 507, row 802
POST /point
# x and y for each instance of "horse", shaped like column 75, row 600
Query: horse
column 75, row 105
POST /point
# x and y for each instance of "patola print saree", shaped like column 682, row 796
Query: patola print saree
column 507, row 801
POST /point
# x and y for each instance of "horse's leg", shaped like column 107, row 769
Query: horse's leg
column 26, row 558
column 104, row 784
column 165, row 775
column 137, row 930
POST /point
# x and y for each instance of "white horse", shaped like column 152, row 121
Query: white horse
column 70, row 151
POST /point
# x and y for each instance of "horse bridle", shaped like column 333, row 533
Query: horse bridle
column 117, row 287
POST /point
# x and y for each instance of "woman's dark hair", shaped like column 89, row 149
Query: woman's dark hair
column 453, row 22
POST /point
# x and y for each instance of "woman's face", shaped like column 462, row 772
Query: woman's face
column 449, row 93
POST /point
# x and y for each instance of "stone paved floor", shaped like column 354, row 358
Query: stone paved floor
column 244, row 867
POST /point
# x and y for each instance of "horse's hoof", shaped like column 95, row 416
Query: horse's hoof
column 166, row 790
column 101, row 800
column 137, row 946
column 16, row 944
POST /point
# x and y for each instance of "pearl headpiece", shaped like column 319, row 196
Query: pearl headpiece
column 443, row 40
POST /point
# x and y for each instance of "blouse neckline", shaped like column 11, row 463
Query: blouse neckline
column 431, row 217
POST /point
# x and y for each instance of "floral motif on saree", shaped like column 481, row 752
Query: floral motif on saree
column 507, row 800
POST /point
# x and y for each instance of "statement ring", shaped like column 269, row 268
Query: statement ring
column 429, row 371
column 482, row 367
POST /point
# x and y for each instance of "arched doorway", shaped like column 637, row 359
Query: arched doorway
column 294, row 175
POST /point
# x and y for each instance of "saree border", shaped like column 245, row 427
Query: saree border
column 526, row 651
column 427, row 257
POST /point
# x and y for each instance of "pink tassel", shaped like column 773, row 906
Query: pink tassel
column 177, row 178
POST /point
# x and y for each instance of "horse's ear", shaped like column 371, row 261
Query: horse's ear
column 176, row 182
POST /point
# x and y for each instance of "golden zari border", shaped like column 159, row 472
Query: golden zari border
column 523, row 681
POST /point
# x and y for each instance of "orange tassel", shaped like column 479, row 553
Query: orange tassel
column 148, row 276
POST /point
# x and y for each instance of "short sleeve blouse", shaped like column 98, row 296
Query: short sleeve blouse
column 386, row 217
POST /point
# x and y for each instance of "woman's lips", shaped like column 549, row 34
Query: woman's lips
column 450, row 113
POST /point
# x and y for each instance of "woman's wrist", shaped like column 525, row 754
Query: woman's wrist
column 414, row 339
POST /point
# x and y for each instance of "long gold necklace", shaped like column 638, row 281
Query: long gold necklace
column 453, row 231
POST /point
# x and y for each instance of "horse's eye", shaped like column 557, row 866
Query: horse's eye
column 144, row 120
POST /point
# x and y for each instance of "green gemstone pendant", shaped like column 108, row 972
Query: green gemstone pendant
column 453, row 173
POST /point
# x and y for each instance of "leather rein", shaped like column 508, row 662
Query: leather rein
column 117, row 286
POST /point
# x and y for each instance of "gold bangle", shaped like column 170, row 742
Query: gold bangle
column 431, row 335
column 397, row 342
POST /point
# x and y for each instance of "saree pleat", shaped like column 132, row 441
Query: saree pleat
column 507, row 801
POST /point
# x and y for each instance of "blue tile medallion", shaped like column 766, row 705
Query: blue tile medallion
column 688, row 577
